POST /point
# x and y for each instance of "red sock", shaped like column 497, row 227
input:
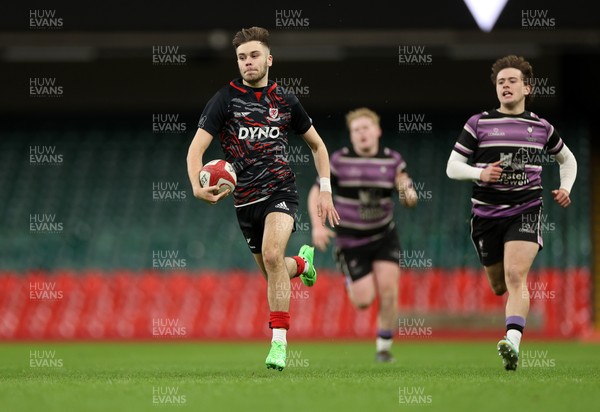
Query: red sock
column 279, row 320
column 301, row 263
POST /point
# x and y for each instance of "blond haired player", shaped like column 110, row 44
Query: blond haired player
column 366, row 177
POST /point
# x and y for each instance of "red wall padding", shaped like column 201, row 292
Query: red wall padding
column 233, row 305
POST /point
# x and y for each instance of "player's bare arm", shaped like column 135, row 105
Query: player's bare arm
column 325, row 208
column 321, row 234
column 407, row 194
column 196, row 150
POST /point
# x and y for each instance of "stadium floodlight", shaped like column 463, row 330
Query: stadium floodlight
column 486, row 12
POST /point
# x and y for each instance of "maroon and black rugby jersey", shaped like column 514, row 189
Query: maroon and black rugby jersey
column 252, row 126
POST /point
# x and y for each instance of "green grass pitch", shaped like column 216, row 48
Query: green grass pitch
column 321, row 376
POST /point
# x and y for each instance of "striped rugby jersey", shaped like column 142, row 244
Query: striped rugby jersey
column 521, row 142
column 364, row 188
column 252, row 126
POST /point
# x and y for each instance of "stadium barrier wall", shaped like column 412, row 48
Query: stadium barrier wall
column 124, row 305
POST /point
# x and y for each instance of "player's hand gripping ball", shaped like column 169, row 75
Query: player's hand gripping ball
column 218, row 173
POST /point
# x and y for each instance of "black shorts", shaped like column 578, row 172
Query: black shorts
column 251, row 218
column 357, row 262
column 490, row 234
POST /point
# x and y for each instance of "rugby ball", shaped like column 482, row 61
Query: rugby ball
column 219, row 173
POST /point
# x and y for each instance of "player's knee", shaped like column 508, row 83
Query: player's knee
column 513, row 277
column 499, row 289
column 272, row 258
column 362, row 302
column 387, row 295
column 362, row 305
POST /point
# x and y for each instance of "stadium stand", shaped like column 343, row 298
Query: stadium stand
column 122, row 192
column 129, row 242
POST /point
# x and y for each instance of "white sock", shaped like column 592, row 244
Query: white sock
column 514, row 336
column 383, row 344
column 279, row 335
column 306, row 266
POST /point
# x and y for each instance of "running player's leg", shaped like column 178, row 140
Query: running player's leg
column 364, row 278
column 362, row 292
column 294, row 265
column 387, row 277
column 518, row 258
column 487, row 236
column 495, row 275
column 277, row 230
column 523, row 240
column 290, row 263
column 506, row 349
column 357, row 267
column 294, row 268
column 259, row 261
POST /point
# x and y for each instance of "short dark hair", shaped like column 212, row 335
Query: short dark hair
column 251, row 34
column 519, row 63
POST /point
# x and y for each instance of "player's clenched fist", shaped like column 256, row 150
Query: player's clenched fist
column 491, row 173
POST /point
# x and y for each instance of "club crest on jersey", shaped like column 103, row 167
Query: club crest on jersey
column 273, row 113
column 530, row 138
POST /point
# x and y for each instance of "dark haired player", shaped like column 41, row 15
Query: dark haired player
column 365, row 177
column 252, row 119
column 506, row 146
